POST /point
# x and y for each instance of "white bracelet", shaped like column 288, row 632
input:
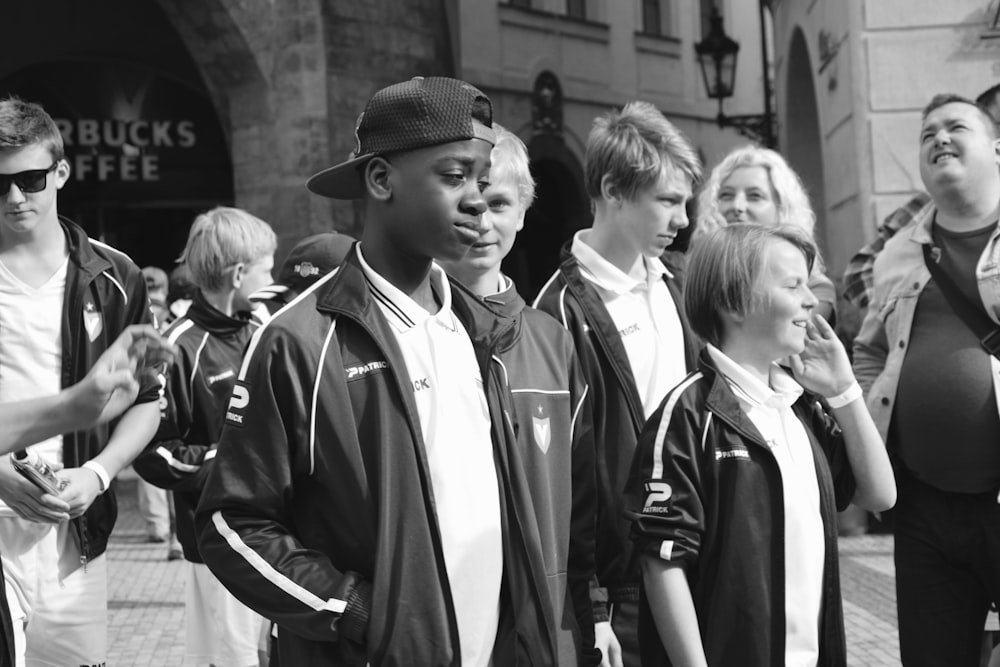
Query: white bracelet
column 101, row 473
column 849, row 395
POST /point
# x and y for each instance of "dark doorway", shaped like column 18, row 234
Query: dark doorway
column 144, row 142
column 805, row 144
column 560, row 209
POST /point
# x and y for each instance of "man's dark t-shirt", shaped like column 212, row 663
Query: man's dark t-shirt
column 945, row 426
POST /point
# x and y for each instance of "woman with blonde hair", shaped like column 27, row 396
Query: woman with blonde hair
column 753, row 184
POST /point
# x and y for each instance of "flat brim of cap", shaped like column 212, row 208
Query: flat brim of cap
column 341, row 181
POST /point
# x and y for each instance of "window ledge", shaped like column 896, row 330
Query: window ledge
column 560, row 24
column 659, row 44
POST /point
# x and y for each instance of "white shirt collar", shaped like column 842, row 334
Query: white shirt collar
column 643, row 274
column 782, row 392
column 403, row 312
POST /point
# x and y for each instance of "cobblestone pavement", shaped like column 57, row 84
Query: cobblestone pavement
column 867, row 582
column 146, row 597
column 145, row 593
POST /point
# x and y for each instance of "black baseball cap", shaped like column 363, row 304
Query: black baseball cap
column 421, row 112
column 312, row 258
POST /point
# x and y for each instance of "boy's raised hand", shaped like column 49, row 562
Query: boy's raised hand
column 823, row 366
column 113, row 382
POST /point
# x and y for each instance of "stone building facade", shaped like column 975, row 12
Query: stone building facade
column 852, row 78
column 172, row 106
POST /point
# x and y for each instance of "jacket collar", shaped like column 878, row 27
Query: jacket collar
column 345, row 291
column 723, row 402
column 782, row 390
column 212, row 319
column 923, row 225
column 80, row 250
column 507, row 301
column 609, row 276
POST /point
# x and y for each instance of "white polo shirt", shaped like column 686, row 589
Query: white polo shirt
column 770, row 410
column 455, row 424
column 645, row 315
column 31, row 347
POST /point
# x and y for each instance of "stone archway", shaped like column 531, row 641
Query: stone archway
column 265, row 67
column 146, row 146
column 290, row 78
column 802, row 137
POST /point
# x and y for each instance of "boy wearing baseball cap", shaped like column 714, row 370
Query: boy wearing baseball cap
column 309, row 260
column 368, row 495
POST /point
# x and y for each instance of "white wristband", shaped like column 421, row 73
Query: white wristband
column 849, row 395
column 101, row 473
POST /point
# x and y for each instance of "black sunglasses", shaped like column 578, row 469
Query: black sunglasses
column 32, row 180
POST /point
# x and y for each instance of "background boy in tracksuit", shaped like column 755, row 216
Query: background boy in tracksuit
column 738, row 475
column 230, row 254
column 618, row 291
column 551, row 407
column 369, row 495
column 309, row 260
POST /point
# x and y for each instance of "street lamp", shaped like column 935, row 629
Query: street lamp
column 717, row 54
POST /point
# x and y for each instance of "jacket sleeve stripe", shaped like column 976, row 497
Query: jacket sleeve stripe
column 704, row 431
column 562, row 306
column 252, row 345
column 549, row 392
column 116, row 284
column 264, row 568
column 544, row 289
column 110, row 248
column 197, row 363
column 175, row 333
column 666, row 549
column 165, row 454
column 315, row 396
column 503, row 367
column 661, row 431
column 576, row 410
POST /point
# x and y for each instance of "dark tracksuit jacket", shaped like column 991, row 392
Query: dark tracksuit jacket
column 720, row 515
column 552, row 419
column 105, row 293
column 319, row 512
column 209, row 348
column 618, row 411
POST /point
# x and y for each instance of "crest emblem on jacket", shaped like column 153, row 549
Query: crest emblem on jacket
column 92, row 321
column 541, row 428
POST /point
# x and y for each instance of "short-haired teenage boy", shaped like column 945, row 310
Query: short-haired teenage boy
column 64, row 299
column 230, row 253
column 368, row 495
column 738, row 475
column 618, row 291
column 551, row 407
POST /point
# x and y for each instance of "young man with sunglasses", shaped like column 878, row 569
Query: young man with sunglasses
column 63, row 300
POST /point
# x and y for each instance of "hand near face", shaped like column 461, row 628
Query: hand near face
column 823, row 366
